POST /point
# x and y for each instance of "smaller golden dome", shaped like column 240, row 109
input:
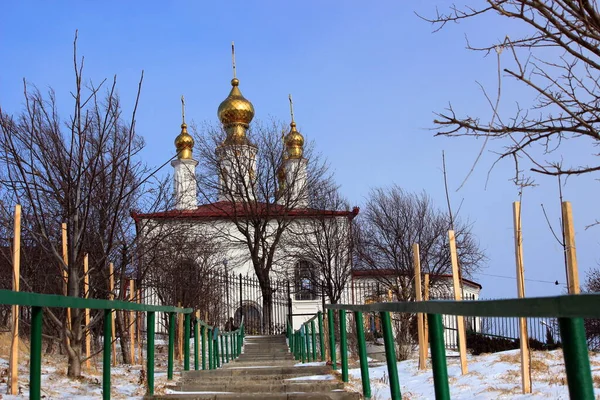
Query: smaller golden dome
column 294, row 142
column 235, row 109
column 184, row 144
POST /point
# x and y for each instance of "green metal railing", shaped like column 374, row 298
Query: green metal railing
column 303, row 342
column 38, row 302
column 570, row 311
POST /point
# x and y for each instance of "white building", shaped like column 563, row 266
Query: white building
column 237, row 163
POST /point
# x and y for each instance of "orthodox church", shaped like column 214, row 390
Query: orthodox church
column 237, row 203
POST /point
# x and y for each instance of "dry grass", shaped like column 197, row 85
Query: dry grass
column 596, row 379
column 504, row 391
column 510, row 358
column 512, row 376
column 539, row 366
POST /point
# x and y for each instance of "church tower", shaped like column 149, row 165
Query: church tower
column 184, row 168
column 293, row 171
column 237, row 155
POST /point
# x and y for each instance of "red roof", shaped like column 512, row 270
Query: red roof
column 391, row 272
column 227, row 209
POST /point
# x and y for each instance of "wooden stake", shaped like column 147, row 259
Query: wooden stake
column 86, row 294
column 569, row 231
column 111, row 296
column 460, row 320
column 139, row 329
column 132, row 322
column 14, row 345
column 418, row 297
column 426, row 298
column 524, row 337
column 65, row 253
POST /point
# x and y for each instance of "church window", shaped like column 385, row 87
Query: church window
column 305, row 279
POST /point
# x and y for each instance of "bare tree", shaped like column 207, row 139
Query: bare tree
column 244, row 178
column 82, row 171
column 393, row 220
column 592, row 326
column 564, row 83
column 326, row 242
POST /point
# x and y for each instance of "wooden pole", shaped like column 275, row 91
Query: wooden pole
column 65, row 254
column 86, row 294
column 132, row 322
column 569, row 231
column 111, row 296
column 460, row 320
column 139, row 328
column 426, row 298
column 418, row 297
column 180, row 333
column 524, row 337
column 14, row 345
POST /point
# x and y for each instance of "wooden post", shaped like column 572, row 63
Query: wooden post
column 65, row 254
column 86, row 294
column 460, row 320
column 139, row 328
column 569, row 233
column 180, row 333
column 14, row 345
column 111, row 296
column 426, row 298
column 524, row 337
column 418, row 297
column 132, row 322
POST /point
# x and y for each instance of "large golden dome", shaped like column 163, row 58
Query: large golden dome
column 294, row 142
column 184, row 143
column 235, row 109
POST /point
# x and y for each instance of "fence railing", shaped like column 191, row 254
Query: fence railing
column 216, row 340
column 569, row 310
column 303, row 342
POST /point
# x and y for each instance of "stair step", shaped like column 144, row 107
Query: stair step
column 267, row 396
column 263, row 387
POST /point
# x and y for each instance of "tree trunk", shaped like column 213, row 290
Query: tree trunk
column 123, row 334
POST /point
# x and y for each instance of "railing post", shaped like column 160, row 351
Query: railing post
column 209, row 342
column 150, row 351
column 203, row 344
column 343, row 346
column 307, row 342
column 390, row 355
column 106, row 359
column 171, row 345
column 222, row 351
column 362, row 354
column 35, row 362
column 314, row 340
column 321, row 336
column 186, row 344
column 577, row 362
column 233, row 353
column 217, row 350
column 331, row 324
column 303, row 345
column 438, row 357
column 196, row 343
column 227, row 348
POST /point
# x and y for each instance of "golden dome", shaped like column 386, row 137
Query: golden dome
column 235, row 109
column 184, row 144
column 294, row 142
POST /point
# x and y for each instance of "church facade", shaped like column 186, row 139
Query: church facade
column 247, row 224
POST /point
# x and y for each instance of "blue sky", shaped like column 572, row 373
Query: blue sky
column 366, row 82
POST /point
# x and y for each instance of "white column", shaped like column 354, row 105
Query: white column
column 184, row 184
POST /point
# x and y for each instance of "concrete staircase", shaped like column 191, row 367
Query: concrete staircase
column 265, row 370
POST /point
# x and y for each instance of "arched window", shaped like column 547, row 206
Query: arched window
column 305, row 281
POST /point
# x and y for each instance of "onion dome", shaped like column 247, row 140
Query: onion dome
column 294, row 142
column 235, row 109
column 184, row 144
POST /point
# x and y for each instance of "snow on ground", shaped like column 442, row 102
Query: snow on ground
column 490, row 376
